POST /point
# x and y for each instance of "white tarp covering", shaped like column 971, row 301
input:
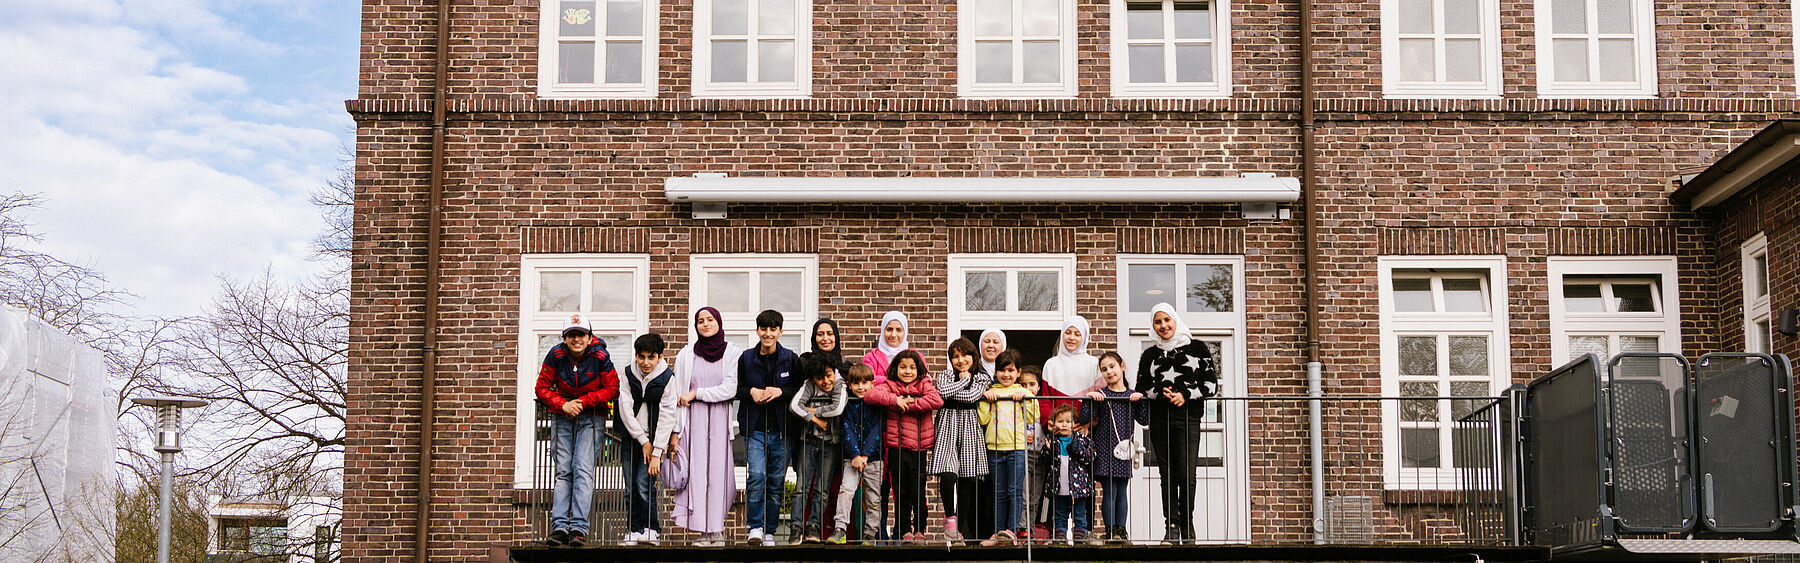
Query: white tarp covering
column 57, row 425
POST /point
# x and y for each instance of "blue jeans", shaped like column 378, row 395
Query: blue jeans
column 1115, row 502
column 1062, row 505
column 642, row 503
column 574, row 443
column 768, row 480
column 818, row 459
column 1008, row 469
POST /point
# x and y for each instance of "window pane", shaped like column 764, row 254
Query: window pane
column 993, row 61
column 1418, row 61
column 1415, row 17
column 1633, row 298
column 1612, row 16
column 1151, row 284
column 1763, row 338
column 1581, row 345
column 731, row 17
column 1462, row 16
column 1422, row 410
column 1412, row 295
column 1193, row 63
column 1037, row 291
column 1473, row 439
column 575, row 63
column 731, row 60
column 775, row 17
column 993, row 17
column 1143, row 20
column 1618, row 61
column 1464, row 296
column 1582, row 298
column 1638, row 344
column 1468, row 355
column 780, row 291
column 1212, row 447
column 1418, row 355
column 1759, row 272
column 1459, row 409
column 544, row 343
column 1209, row 288
column 1043, row 61
column 1462, row 60
column 1193, row 20
column 986, row 291
column 1146, row 63
column 1418, row 447
column 559, row 292
column 613, row 292
column 623, row 59
column 1041, row 16
column 625, row 17
column 1568, row 16
column 577, row 19
column 775, row 61
column 615, row 343
column 1571, row 59
column 729, row 292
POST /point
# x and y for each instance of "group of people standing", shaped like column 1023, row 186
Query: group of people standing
column 872, row 431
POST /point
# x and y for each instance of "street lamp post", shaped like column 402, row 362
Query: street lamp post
column 168, row 443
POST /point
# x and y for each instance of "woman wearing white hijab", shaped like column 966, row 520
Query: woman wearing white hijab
column 891, row 343
column 1073, row 371
column 1176, row 374
column 991, row 344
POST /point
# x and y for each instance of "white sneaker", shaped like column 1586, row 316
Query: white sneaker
column 768, row 540
column 756, row 536
column 650, row 537
column 631, row 538
column 711, row 540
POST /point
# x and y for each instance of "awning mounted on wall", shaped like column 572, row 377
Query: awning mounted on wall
column 710, row 192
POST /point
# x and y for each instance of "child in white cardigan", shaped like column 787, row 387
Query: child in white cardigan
column 648, row 415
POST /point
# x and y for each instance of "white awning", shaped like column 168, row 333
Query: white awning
column 717, row 188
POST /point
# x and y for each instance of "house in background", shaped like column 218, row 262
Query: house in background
column 1490, row 185
column 301, row 530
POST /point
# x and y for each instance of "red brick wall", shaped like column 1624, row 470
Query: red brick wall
column 1770, row 207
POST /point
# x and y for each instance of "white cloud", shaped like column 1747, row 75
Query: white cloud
column 158, row 168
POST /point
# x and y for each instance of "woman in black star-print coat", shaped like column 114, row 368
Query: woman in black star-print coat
column 1176, row 374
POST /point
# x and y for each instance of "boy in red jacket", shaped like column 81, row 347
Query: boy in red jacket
column 576, row 383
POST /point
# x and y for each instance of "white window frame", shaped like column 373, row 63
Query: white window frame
column 1664, row 324
column 548, row 62
column 1011, row 318
column 1756, row 307
column 1644, row 38
column 740, row 327
column 1487, row 88
column 703, row 85
column 965, row 57
column 1492, row 324
column 1220, row 87
column 533, row 323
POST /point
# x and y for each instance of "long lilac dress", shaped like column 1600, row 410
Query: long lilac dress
column 706, row 441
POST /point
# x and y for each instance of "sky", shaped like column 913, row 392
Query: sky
column 176, row 141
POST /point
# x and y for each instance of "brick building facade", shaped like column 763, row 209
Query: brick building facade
column 1528, row 194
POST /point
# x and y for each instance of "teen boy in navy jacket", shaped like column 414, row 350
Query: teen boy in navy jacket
column 576, row 382
column 768, row 378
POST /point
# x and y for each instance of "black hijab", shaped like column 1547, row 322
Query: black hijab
column 835, row 356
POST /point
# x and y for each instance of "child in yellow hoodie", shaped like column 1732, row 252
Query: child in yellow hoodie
column 1007, row 420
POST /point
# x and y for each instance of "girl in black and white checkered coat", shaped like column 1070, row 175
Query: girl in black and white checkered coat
column 959, row 458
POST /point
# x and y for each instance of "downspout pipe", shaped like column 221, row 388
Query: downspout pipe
column 434, row 221
column 1309, row 189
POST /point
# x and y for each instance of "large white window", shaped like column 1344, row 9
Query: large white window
column 1443, row 334
column 1011, row 291
column 1171, row 48
column 1440, row 48
column 611, row 290
column 1016, row 48
column 742, row 285
column 1596, row 49
column 1759, row 334
column 597, row 49
column 752, row 48
column 1612, row 305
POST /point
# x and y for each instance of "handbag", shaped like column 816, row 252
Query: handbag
column 674, row 471
column 1127, row 447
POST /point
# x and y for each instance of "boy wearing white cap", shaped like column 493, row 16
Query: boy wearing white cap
column 576, row 382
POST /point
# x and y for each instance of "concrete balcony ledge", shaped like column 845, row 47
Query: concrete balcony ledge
column 924, row 552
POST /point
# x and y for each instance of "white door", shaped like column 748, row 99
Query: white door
column 1209, row 293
